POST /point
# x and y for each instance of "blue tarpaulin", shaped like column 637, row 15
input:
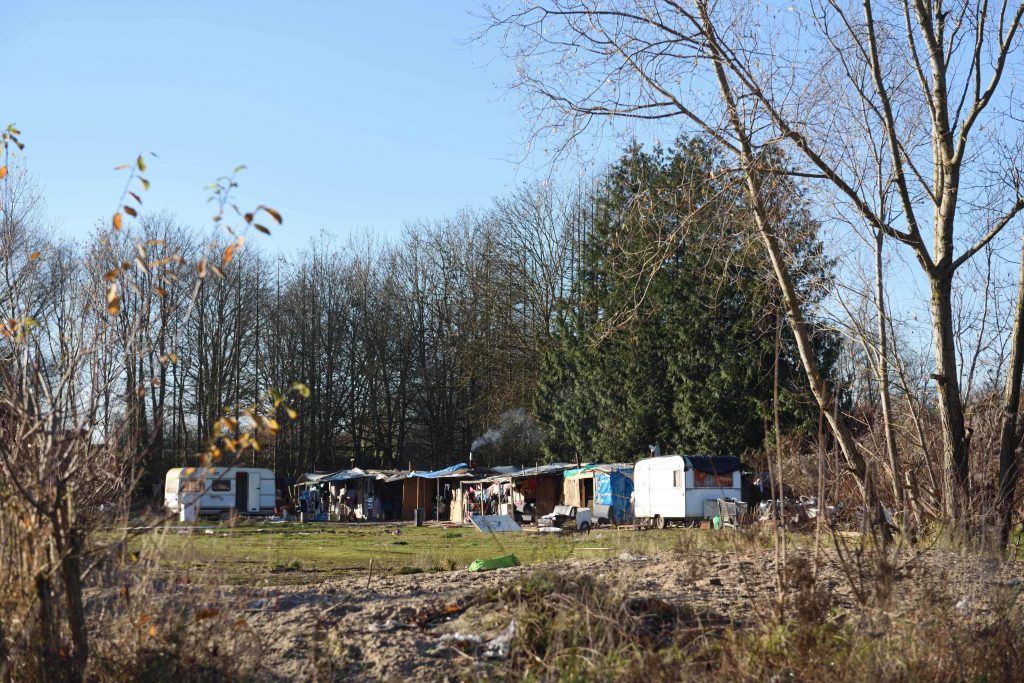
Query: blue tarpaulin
column 614, row 488
column 454, row 470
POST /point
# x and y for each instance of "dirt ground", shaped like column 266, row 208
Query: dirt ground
column 386, row 628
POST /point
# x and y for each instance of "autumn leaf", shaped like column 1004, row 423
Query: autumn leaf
column 116, row 222
column 300, row 389
column 3, row 172
column 229, row 253
column 145, row 183
column 130, row 211
column 111, row 274
column 34, row 256
column 113, row 300
column 261, row 228
column 161, row 292
column 273, row 214
column 202, row 269
column 141, row 163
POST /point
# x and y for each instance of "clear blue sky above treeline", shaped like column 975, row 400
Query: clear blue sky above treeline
column 350, row 116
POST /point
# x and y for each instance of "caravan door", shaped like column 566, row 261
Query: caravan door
column 254, row 492
column 242, row 491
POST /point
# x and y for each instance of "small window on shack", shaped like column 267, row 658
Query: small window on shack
column 221, row 485
column 677, row 479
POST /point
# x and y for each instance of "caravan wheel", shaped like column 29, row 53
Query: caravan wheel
column 659, row 522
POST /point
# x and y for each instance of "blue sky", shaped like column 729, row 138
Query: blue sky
column 349, row 115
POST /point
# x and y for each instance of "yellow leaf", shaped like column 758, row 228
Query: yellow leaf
column 141, row 163
column 152, row 631
column 113, row 300
column 174, row 358
column 291, row 413
column 300, row 388
column 145, row 183
column 116, row 222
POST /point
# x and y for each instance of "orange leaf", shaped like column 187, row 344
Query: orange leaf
column 152, row 631
column 161, row 292
column 202, row 269
column 229, row 253
column 116, row 222
column 111, row 274
column 130, row 211
column 34, row 256
column 3, row 172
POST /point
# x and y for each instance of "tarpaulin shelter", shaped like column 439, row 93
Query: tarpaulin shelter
column 605, row 489
column 428, row 489
column 345, row 494
column 538, row 487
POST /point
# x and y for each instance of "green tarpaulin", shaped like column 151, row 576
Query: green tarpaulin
column 496, row 563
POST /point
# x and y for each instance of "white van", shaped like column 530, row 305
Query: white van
column 673, row 488
column 249, row 490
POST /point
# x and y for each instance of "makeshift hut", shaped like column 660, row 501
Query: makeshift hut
column 345, row 495
column 605, row 489
column 527, row 493
column 433, row 491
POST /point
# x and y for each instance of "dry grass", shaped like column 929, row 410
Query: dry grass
column 575, row 628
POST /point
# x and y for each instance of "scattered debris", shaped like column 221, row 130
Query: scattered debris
column 629, row 557
column 469, row 644
column 495, row 523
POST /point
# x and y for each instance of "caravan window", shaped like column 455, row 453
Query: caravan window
column 677, row 479
column 708, row 480
column 192, row 486
column 221, row 485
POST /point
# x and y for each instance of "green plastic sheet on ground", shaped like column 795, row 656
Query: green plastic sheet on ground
column 496, row 563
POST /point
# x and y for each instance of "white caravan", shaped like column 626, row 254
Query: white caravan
column 248, row 490
column 674, row 487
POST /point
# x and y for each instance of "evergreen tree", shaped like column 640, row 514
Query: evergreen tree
column 670, row 333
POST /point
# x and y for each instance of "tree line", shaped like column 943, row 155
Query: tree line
column 466, row 333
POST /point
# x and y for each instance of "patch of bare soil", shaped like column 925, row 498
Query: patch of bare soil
column 438, row 626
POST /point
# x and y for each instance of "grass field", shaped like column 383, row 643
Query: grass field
column 296, row 553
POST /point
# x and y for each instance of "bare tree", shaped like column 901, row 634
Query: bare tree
column 879, row 105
